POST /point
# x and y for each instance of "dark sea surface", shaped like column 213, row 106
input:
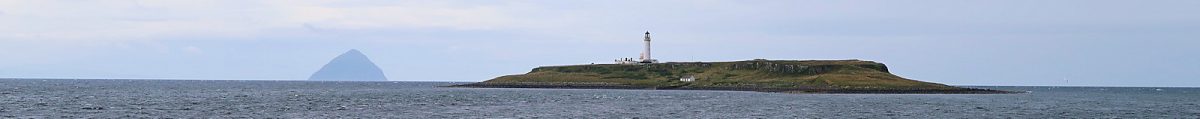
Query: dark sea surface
column 61, row 98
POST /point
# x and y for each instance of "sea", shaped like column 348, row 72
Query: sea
column 113, row 98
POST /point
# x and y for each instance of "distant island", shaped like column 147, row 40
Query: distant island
column 789, row 76
column 350, row 66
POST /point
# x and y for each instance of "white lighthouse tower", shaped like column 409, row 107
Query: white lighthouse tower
column 644, row 58
column 646, row 53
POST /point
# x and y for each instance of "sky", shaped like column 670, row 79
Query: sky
column 978, row 42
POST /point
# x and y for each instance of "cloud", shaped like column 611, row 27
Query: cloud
column 154, row 20
column 90, row 20
column 423, row 14
column 192, row 49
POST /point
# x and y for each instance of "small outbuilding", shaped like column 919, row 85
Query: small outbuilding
column 688, row 78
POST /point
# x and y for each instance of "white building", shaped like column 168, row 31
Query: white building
column 626, row 61
column 688, row 78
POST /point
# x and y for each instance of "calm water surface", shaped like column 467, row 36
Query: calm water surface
column 37, row 98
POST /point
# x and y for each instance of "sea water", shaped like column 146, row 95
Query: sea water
column 58, row 98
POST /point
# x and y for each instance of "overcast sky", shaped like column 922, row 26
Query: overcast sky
column 956, row 42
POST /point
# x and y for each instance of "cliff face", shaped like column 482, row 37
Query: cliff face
column 752, row 74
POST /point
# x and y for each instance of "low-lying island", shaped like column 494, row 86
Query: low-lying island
column 786, row 76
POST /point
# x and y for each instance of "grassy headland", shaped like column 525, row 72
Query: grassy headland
column 797, row 76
